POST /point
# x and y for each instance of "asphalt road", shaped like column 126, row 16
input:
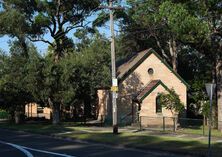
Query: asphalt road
column 20, row 144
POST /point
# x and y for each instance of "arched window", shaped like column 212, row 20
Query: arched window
column 158, row 105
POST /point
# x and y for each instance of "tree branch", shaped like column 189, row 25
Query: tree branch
column 58, row 15
column 54, row 25
column 69, row 28
column 50, row 29
column 161, row 48
column 45, row 41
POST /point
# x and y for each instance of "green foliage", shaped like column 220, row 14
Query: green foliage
column 205, row 110
column 89, row 69
column 13, row 80
column 171, row 101
column 37, row 18
column 168, row 17
column 34, row 19
column 181, row 23
column 4, row 114
column 69, row 73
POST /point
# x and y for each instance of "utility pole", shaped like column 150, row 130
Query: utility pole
column 114, row 87
column 113, row 61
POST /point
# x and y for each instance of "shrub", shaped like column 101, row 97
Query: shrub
column 3, row 114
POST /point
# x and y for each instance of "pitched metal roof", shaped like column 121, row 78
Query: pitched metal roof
column 130, row 63
column 147, row 88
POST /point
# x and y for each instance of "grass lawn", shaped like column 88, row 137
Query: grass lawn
column 37, row 128
column 144, row 140
column 147, row 141
column 197, row 131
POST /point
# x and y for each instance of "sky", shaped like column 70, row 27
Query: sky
column 42, row 47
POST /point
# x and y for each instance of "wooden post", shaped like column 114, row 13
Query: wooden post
column 140, row 123
column 101, row 121
column 164, row 124
column 174, row 124
column 31, row 110
column 204, row 126
column 132, row 114
column 28, row 111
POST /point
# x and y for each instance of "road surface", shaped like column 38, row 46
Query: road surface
column 20, row 144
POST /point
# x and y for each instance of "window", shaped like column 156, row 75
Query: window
column 158, row 105
column 39, row 109
column 150, row 71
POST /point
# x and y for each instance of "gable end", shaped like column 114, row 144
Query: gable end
column 152, row 89
column 149, row 52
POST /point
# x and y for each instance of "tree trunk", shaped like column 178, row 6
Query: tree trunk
column 55, row 112
column 55, row 115
column 219, row 94
column 17, row 117
column 87, row 106
column 161, row 49
column 19, row 114
column 173, row 53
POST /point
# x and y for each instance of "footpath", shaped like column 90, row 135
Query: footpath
column 130, row 137
column 131, row 129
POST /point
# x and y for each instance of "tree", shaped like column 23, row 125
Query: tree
column 213, row 13
column 195, row 68
column 13, row 81
column 171, row 101
column 89, row 68
column 210, row 12
column 168, row 24
column 54, row 17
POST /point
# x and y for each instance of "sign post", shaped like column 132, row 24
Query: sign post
column 210, row 87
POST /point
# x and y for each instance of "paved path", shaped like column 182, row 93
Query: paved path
column 13, row 144
column 157, row 133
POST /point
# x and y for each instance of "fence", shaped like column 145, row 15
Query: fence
column 186, row 125
column 38, row 115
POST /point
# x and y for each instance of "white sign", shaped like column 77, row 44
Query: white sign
column 114, row 82
column 210, row 87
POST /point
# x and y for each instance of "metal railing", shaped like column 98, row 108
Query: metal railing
column 175, row 124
